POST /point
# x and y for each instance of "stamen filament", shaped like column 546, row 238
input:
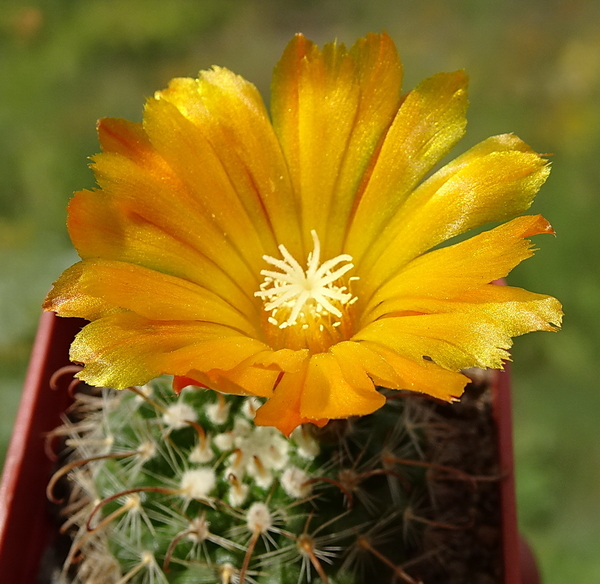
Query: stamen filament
column 294, row 296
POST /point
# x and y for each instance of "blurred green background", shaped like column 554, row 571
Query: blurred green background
column 535, row 71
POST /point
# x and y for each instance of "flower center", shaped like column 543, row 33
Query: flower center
column 294, row 296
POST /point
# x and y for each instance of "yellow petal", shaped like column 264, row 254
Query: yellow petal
column 124, row 137
column 100, row 228
column 237, row 365
column 454, row 341
column 228, row 114
column 281, row 360
column 150, row 193
column 514, row 310
column 421, row 376
column 125, row 349
column 153, row 295
column 283, row 409
column 490, row 187
column 241, row 380
column 447, row 272
column 429, row 122
column 330, row 108
column 327, row 393
column 357, row 361
column 205, row 185
column 518, row 311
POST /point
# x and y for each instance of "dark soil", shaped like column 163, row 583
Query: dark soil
column 462, row 544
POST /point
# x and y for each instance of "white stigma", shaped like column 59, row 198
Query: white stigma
column 294, row 289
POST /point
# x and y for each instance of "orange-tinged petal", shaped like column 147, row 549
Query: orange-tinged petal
column 125, row 349
column 124, row 137
column 454, row 341
column 241, row 380
column 229, row 112
column 356, row 361
column 238, row 365
column 205, row 364
column 101, row 229
column 180, row 382
column 207, row 354
column 422, row 376
column 493, row 187
column 205, row 181
column 151, row 193
column 330, row 108
column 329, row 394
column 281, row 360
column 151, row 294
column 283, row 409
column 447, row 272
column 429, row 122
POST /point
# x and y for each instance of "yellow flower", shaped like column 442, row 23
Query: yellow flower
column 290, row 259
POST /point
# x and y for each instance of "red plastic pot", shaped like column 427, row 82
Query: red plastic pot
column 26, row 528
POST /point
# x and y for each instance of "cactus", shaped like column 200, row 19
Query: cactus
column 186, row 489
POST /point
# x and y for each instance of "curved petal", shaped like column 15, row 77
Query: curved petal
column 126, row 349
column 357, row 361
column 328, row 393
column 124, row 137
column 390, row 370
column 283, row 409
column 421, row 376
column 429, row 122
column 100, row 228
column 93, row 288
column 233, row 127
column 241, row 380
column 447, row 272
column 514, row 310
column 205, row 181
column 491, row 187
column 203, row 364
column 454, row 341
column 330, row 108
column 144, row 193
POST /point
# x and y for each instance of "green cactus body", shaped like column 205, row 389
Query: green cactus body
column 186, row 489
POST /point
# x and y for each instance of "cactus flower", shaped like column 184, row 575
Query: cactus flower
column 296, row 257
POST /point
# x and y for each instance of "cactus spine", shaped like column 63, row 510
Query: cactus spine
column 168, row 489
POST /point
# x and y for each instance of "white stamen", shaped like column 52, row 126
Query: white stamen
column 299, row 292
